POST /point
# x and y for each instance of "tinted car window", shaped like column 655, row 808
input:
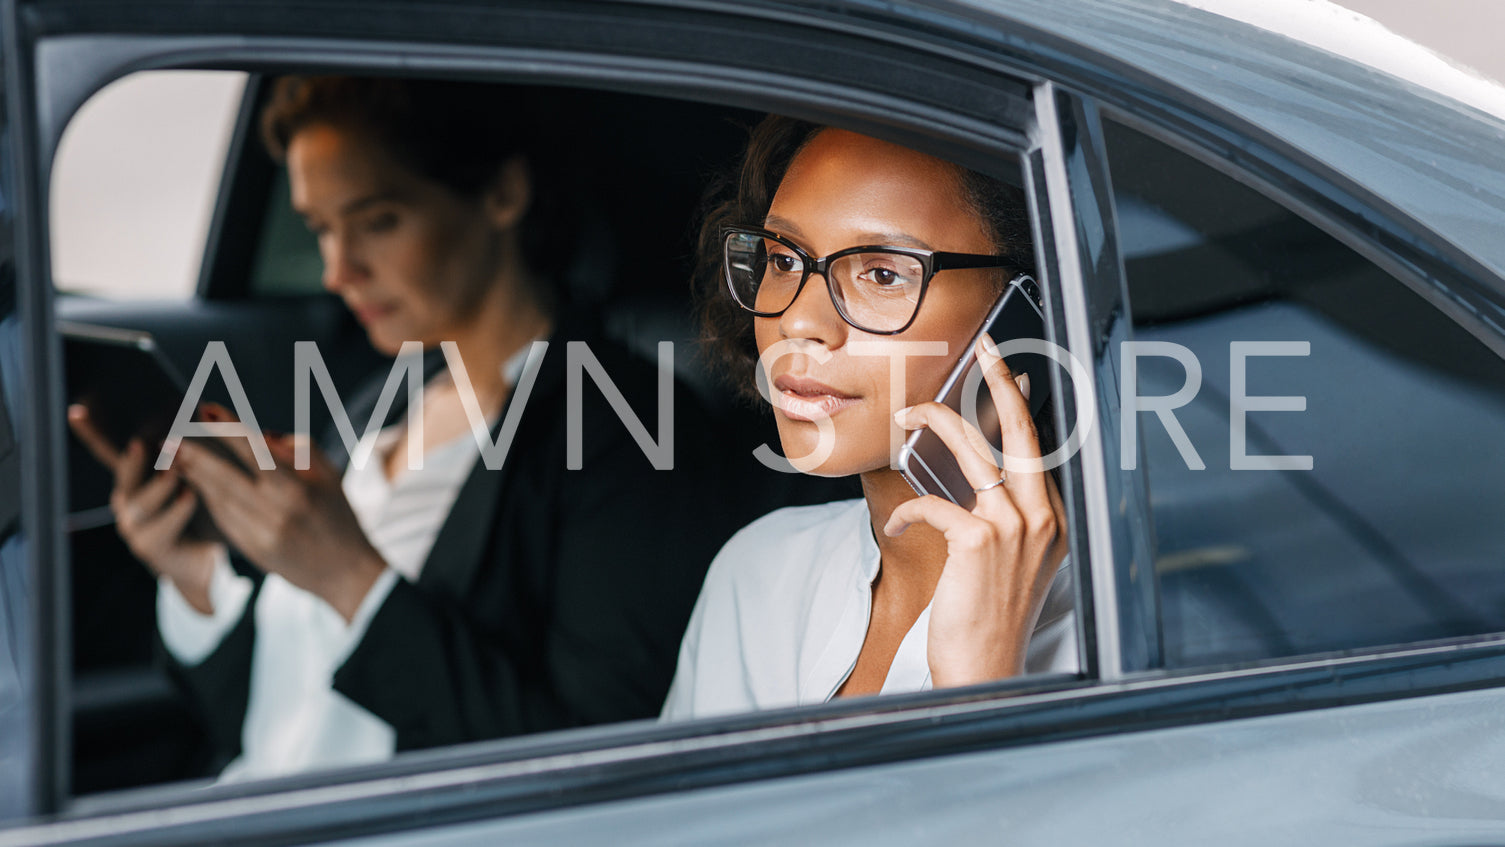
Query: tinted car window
column 1381, row 525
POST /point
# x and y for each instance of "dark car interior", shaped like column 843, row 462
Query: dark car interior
column 1370, row 548
column 642, row 167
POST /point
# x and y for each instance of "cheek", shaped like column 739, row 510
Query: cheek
column 925, row 375
column 434, row 268
column 765, row 333
column 865, row 436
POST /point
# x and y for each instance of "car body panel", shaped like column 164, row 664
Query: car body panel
column 1426, row 770
column 1430, row 157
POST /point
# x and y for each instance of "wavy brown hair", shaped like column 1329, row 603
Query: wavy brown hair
column 456, row 134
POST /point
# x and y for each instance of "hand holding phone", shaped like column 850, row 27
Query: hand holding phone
column 154, row 512
column 121, row 388
column 926, row 462
column 1005, row 538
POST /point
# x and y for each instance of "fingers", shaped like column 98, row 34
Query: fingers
column 240, row 448
column 284, row 449
column 146, row 501
column 165, row 528
column 1020, row 442
column 217, row 479
column 938, row 512
column 90, row 436
column 131, row 468
column 1019, row 438
column 962, row 438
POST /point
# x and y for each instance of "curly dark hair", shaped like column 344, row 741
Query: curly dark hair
column 457, row 134
column 744, row 198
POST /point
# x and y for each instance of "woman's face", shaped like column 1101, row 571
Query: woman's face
column 410, row 257
column 844, row 190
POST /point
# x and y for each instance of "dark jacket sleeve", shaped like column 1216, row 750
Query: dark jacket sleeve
column 219, row 687
column 575, row 615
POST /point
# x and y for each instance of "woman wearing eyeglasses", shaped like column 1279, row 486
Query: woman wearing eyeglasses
column 891, row 592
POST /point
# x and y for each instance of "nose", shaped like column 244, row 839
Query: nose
column 342, row 264
column 813, row 317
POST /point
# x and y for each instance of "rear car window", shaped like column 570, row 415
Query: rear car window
column 135, row 182
column 1336, row 485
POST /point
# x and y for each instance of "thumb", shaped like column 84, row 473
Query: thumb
column 215, row 413
column 285, row 449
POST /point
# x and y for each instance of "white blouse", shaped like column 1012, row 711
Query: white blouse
column 785, row 610
column 295, row 720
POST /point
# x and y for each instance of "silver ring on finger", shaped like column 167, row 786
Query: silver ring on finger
column 1002, row 478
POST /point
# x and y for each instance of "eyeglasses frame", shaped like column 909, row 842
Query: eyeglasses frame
column 932, row 261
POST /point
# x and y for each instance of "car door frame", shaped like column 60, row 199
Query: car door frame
column 610, row 763
column 970, row 139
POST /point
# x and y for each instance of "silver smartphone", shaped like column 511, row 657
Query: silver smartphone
column 926, row 462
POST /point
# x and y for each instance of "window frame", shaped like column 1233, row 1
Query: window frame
column 948, row 132
column 245, row 183
column 531, row 774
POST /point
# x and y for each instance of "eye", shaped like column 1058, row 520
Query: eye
column 381, row 223
column 885, row 274
column 784, row 262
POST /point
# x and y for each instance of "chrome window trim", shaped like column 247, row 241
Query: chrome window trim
column 1104, row 602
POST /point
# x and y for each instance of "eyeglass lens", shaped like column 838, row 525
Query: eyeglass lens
column 876, row 290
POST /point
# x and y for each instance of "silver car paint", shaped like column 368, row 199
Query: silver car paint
column 1432, row 158
column 1423, row 771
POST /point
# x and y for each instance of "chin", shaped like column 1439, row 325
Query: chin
column 799, row 438
column 387, row 343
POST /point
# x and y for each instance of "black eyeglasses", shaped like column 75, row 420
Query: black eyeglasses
column 875, row 289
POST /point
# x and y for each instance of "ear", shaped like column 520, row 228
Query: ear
column 510, row 195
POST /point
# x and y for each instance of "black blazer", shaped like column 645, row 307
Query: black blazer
column 551, row 598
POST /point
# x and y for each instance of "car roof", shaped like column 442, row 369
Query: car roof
column 1432, row 157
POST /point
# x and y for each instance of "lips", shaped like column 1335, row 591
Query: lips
column 366, row 313
column 805, row 399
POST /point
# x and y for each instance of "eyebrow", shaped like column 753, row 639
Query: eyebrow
column 360, row 203
column 788, row 228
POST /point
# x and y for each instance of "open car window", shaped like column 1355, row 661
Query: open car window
column 139, row 714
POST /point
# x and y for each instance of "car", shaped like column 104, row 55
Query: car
column 1279, row 270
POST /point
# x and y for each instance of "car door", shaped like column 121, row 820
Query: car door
column 1154, row 740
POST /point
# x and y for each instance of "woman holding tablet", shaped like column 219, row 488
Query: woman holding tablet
column 391, row 604
column 890, row 592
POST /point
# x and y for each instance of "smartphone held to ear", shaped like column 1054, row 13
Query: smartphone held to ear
column 925, row 461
